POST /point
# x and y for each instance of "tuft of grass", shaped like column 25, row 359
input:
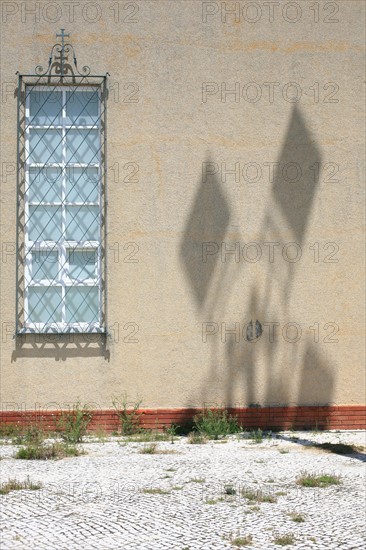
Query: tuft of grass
column 197, row 480
column 147, row 436
column 323, row 480
column 256, row 435
column 257, row 496
column 284, row 540
column 229, row 490
column 177, row 487
column 73, row 424
column 14, row 485
column 149, row 449
column 247, row 540
column 255, row 508
column 46, row 452
column 298, row 518
column 196, row 438
column 156, row 491
column 101, row 434
column 283, row 451
column 213, row 423
column 214, row 500
column 128, row 415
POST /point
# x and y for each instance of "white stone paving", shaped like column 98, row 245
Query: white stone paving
column 96, row 501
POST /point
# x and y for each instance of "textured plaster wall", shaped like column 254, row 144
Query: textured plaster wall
column 169, row 49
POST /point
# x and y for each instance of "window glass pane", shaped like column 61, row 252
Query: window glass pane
column 82, row 184
column 82, row 263
column 82, row 223
column 82, row 146
column 82, row 304
column 44, row 304
column 45, row 146
column 44, row 223
column 44, row 265
column 82, row 108
column 45, row 107
column 45, row 184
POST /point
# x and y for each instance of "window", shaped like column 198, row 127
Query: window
column 61, row 205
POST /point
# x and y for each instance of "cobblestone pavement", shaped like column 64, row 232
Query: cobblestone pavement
column 99, row 500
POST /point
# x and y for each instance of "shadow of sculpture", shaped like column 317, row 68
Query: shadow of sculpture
column 268, row 366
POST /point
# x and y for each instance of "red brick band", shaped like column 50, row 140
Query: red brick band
column 344, row 417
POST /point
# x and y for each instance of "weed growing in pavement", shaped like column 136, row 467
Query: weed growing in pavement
column 157, row 491
column 149, row 449
column 196, row 438
column 229, row 490
column 323, row 480
column 284, row 540
column 257, row 496
column 239, row 542
column 45, row 452
column 14, row 485
column 298, row 518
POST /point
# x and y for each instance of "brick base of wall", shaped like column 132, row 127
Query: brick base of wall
column 346, row 417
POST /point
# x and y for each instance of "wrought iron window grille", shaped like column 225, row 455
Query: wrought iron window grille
column 61, row 197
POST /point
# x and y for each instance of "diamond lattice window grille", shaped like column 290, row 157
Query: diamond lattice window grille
column 61, row 207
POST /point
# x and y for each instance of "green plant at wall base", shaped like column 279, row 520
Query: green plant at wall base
column 129, row 417
column 216, row 422
column 73, row 425
column 171, row 431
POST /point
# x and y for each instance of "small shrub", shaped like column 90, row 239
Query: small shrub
column 196, row 438
column 284, row 540
column 216, row 422
column 14, row 485
column 129, row 418
column 74, row 424
column 322, row 480
column 10, row 430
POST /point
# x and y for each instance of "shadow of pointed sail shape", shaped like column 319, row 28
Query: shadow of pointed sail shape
column 205, row 230
column 296, row 176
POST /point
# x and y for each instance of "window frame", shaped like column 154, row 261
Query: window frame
column 26, row 249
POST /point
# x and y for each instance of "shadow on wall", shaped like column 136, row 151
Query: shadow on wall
column 61, row 347
column 284, row 372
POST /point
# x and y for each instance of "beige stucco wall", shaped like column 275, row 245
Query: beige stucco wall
column 170, row 51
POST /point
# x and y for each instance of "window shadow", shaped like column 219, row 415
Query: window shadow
column 60, row 347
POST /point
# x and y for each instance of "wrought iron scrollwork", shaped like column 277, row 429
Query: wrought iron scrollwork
column 62, row 61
